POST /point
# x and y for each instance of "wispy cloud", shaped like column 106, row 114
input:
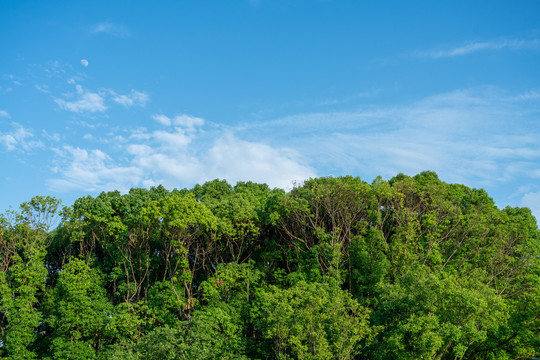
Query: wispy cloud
column 348, row 99
column 54, row 137
column 86, row 101
column 493, row 45
column 183, row 120
column 42, row 88
column 179, row 154
column 110, row 28
column 92, row 170
column 132, row 99
column 481, row 137
column 12, row 79
column 4, row 114
column 527, row 96
column 19, row 139
column 162, row 119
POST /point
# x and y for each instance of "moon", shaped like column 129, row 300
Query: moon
column 84, row 62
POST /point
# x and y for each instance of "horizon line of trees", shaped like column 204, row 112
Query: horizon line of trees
column 337, row 268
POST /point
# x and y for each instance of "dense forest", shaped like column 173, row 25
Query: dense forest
column 336, row 268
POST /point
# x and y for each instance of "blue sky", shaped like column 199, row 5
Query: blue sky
column 109, row 95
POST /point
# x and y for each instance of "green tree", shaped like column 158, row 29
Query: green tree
column 80, row 312
column 187, row 232
column 23, row 241
column 318, row 222
column 428, row 315
column 312, row 321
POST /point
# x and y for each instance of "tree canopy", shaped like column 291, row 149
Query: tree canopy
column 337, row 268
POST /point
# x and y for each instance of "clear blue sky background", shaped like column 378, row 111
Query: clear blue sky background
column 107, row 95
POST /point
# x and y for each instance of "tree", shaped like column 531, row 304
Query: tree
column 23, row 241
column 319, row 221
column 79, row 314
column 312, row 321
column 434, row 316
column 187, row 229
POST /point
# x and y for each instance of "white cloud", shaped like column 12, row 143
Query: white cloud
column 8, row 141
column 177, row 157
column 84, row 62
column 162, row 119
column 527, row 96
column 177, row 169
column 92, row 170
column 4, row 114
column 11, row 79
column 42, row 88
column 134, row 98
column 51, row 137
column 174, row 163
column 140, row 134
column 348, row 99
column 501, row 44
column 19, row 138
column 86, row 102
column 237, row 160
column 471, row 136
column 479, row 137
column 173, row 141
column 110, row 28
column 188, row 121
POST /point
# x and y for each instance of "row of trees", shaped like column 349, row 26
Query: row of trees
column 411, row 268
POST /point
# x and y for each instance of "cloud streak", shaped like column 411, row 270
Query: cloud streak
column 183, row 120
column 495, row 45
column 135, row 98
column 85, row 101
column 110, row 28
column 480, row 137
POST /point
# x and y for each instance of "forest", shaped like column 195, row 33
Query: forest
column 336, row 268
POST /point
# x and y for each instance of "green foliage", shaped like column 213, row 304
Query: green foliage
column 410, row 268
column 312, row 321
column 23, row 243
column 428, row 315
column 80, row 313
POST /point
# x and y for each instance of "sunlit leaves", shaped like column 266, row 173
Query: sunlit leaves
column 411, row 268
